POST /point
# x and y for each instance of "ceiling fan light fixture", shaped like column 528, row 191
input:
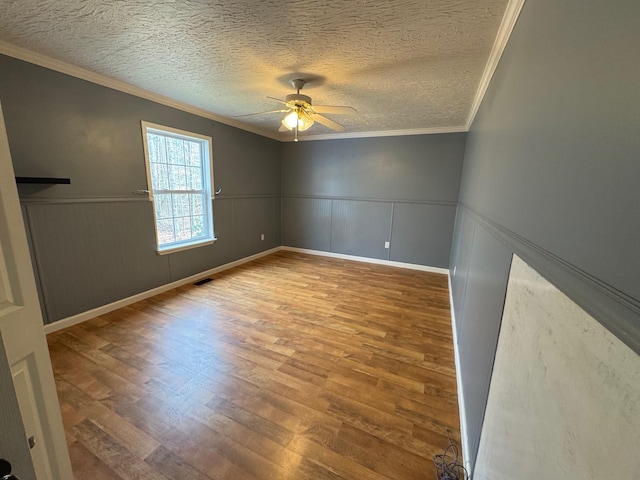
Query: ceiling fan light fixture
column 290, row 120
column 300, row 117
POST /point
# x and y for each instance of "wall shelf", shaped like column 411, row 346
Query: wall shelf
column 44, row 180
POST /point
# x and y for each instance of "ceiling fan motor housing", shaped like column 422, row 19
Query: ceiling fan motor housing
column 297, row 99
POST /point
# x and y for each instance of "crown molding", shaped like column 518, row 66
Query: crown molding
column 97, row 78
column 382, row 133
column 509, row 19
column 511, row 14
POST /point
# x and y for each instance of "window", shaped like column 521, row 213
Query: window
column 180, row 179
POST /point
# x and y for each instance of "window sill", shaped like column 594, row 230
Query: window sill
column 185, row 247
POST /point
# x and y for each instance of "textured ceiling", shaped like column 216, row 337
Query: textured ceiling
column 402, row 64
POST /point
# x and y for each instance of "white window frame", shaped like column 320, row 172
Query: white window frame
column 207, row 180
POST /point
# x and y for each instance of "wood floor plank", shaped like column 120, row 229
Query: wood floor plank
column 115, row 456
column 86, row 465
column 289, row 367
column 172, row 466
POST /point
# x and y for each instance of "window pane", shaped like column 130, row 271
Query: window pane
column 157, row 148
column 175, row 151
column 197, row 226
column 177, row 178
column 195, row 178
column 192, row 154
column 159, row 176
column 165, row 232
column 181, row 205
column 189, row 180
column 183, row 228
column 163, row 206
column 197, row 205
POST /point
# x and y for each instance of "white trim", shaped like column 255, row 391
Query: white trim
column 84, row 316
column 147, row 169
column 511, row 14
column 187, row 246
column 461, row 408
column 389, row 263
column 97, row 78
column 183, row 134
column 382, row 133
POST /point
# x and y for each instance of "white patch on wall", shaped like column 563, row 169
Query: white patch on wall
column 564, row 401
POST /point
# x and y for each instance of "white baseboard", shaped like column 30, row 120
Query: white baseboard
column 461, row 409
column 84, row 316
column 389, row 263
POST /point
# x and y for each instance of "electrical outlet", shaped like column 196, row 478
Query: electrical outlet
column 262, row 236
column 386, row 244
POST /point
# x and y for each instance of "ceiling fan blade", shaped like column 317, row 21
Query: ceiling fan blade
column 277, row 100
column 328, row 123
column 336, row 110
column 260, row 113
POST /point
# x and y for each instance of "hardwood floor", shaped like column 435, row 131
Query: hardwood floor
column 290, row 367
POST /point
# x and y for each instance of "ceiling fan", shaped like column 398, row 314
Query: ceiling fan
column 300, row 114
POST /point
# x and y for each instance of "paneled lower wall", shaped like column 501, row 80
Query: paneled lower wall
column 479, row 273
column 417, row 232
column 91, row 252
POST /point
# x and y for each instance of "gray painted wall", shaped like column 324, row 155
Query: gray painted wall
column 93, row 241
column 351, row 196
column 550, row 173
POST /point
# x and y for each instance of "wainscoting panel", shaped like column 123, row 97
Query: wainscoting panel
column 89, row 253
column 92, row 253
column 460, row 256
column 253, row 217
column 190, row 262
column 422, row 233
column 34, row 263
column 306, row 223
column 488, row 272
column 361, row 228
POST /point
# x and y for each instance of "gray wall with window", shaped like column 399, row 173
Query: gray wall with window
column 551, row 173
column 93, row 242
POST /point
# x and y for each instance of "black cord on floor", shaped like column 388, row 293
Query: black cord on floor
column 447, row 465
